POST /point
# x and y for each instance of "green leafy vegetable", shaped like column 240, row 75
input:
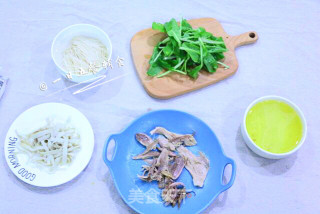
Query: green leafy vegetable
column 193, row 51
column 185, row 25
column 185, row 50
column 210, row 63
column 158, row 26
column 168, row 49
column 154, row 70
column 173, row 30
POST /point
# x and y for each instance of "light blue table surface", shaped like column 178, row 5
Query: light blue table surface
column 285, row 61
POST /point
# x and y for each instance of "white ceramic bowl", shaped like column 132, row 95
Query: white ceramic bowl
column 62, row 40
column 256, row 148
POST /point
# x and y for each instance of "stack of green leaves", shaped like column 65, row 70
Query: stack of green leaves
column 185, row 50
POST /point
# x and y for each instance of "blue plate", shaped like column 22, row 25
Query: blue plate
column 145, row 197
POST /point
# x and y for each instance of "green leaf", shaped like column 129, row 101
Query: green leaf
column 165, row 64
column 193, row 51
column 173, row 30
column 154, row 70
column 204, row 48
column 158, row 26
column 210, row 63
column 194, row 73
column 216, row 49
column 185, row 25
column 168, row 49
column 175, row 46
column 218, row 56
column 210, row 41
column 156, row 57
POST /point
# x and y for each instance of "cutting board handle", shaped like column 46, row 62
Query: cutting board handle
column 244, row 39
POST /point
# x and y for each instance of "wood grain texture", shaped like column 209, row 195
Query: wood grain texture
column 175, row 84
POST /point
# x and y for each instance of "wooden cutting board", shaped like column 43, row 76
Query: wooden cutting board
column 175, row 84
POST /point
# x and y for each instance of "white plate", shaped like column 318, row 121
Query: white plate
column 34, row 118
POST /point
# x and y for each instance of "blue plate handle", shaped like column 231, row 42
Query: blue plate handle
column 105, row 150
column 233, row 174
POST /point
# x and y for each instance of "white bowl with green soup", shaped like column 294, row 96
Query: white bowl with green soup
column 273, row 127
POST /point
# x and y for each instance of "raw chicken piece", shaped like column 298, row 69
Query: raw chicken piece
column 149, row 161
column 164, row 143
column 172, row 154
column 176, row 139
column 150, row 147
column 149, row 172
column 158, row 169
column 143, row 139
column 177, row 167
column 150, row 154
column 163, row 159
column 187, row 140
column 174, row 194
column 149, row 144
column 198, row 166
column 164, row 132
column 164, row 182
column 163, row 163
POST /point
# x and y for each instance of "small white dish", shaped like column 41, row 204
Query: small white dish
column 62, row 40
column 34, row 118
column 256, row 148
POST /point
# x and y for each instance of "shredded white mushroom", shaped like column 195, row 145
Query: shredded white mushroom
column 85, row 55
column 53, row 145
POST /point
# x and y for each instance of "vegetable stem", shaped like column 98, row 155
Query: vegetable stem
column 181, row 72
column 155, row 59
column 225, row 66
column 164, row 74
column 165, row 40
column 169, row 71
column 177, row 66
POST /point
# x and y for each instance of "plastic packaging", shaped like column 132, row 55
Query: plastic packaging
column 3, row 84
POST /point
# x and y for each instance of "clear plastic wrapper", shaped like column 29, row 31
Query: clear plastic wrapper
column 3, row 84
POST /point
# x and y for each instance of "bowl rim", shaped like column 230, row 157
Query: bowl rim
column 73, row 26
column 290, row 103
